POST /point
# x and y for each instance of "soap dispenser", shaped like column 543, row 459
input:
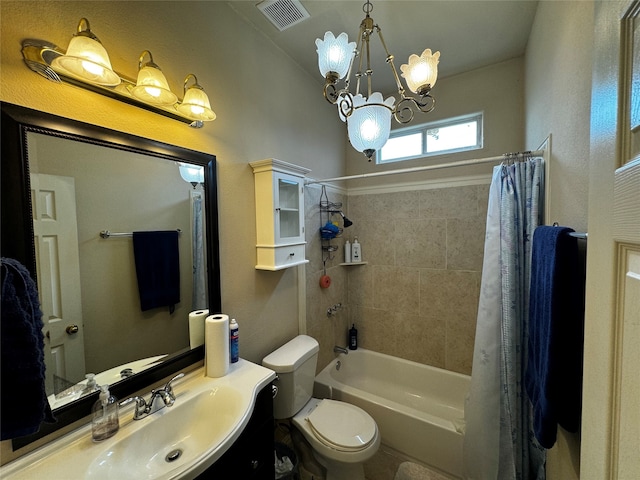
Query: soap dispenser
column 105, row 421
column 91, row 385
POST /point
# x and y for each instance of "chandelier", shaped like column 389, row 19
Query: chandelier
column 368, row 116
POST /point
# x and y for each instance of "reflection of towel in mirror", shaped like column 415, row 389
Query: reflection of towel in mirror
column 556, row 331
column 157, row 269
column 23, row 397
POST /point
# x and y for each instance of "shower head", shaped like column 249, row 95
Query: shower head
column 345, row 220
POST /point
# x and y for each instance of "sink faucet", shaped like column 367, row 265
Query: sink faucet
column 338, row 349
column 159, row 399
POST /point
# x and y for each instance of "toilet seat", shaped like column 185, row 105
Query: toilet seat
column 342, row 426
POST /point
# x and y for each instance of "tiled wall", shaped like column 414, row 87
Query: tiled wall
column 417, row 296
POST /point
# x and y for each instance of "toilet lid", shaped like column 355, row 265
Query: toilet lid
column 341, row 425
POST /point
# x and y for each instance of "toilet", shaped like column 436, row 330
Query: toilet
column 341, row 435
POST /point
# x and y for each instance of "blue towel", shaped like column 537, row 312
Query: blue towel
column 556, row 331
column 22, row 396
column 157, row 269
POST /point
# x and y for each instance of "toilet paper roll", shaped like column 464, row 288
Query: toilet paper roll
column 216, row 345
column 196, row 327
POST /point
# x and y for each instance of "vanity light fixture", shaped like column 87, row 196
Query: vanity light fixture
column 86, row 64
column 86, row 59
column 368, row 115
column 152, row 86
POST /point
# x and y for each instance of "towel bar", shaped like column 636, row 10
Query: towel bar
column 108, row 234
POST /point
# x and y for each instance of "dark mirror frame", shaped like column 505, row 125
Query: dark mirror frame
column 17, row 228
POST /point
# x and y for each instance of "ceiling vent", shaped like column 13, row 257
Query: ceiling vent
column 283, row 13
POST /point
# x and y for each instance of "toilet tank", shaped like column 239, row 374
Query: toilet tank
column 295, row 364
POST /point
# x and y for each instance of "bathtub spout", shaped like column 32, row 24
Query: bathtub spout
column 338, row 349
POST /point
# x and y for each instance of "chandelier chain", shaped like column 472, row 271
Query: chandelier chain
column 367, row 7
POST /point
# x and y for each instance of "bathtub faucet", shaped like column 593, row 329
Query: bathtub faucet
column 332, row 310
column 338, row 349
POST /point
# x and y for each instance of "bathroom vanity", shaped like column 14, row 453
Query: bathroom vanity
column 216, row 428
column 251, row 456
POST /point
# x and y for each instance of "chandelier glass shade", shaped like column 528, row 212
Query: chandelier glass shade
column 422, row 71
column 194, row 174
column 370, row 123
column 367, row 115
column 334, row 55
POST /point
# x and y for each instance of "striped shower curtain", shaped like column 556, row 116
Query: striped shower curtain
column 499, row 443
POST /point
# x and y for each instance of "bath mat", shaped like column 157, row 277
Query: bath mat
column 413, row 471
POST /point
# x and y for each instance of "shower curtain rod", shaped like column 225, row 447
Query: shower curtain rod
column 535, row 153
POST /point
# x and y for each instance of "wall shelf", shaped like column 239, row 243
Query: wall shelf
column 353, row 264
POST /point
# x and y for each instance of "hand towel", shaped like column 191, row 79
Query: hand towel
column 23, row 397
column 553, row 376
column 157, row 268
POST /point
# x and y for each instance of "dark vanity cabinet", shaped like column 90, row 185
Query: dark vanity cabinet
column 251, row 456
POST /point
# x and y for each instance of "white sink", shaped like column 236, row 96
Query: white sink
column 208, row 416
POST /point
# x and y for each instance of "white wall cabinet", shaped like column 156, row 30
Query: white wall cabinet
column 279, row 195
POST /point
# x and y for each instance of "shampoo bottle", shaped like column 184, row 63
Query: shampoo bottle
column 105, row 422
column 356, row 251
column 347, row 252
column 353, row 337
column 233, row 339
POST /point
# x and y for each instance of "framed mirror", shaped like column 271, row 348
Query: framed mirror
column 116, row 184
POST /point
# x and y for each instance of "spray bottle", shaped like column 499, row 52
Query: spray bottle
column 233, row 341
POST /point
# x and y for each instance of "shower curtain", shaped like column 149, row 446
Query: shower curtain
column 499, row 442
column 199, row 299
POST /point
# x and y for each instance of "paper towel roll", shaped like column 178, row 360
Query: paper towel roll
column 196, row 327
column 216, row 345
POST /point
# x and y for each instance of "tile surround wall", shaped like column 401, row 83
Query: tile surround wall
column 417, row 296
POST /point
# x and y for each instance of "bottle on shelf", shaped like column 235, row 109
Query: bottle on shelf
column 356, row 251
column 347, row 252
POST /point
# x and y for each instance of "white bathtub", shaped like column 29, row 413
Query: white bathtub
column 419, row 409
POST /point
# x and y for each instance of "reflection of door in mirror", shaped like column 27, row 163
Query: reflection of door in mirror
column 56, row 242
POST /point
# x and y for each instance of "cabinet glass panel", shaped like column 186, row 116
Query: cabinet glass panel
column 289, row 202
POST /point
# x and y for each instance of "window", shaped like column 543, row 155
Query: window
column 436, row 138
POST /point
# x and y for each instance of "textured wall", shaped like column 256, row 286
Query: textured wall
column 557, row 101
column 417, row 297
column 251, row 125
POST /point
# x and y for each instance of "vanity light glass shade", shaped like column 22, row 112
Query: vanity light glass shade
column 152, row 86
column 86, row 59
column 421, row 71
column 370, row 123
column 335, row 54
column 195, row 104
